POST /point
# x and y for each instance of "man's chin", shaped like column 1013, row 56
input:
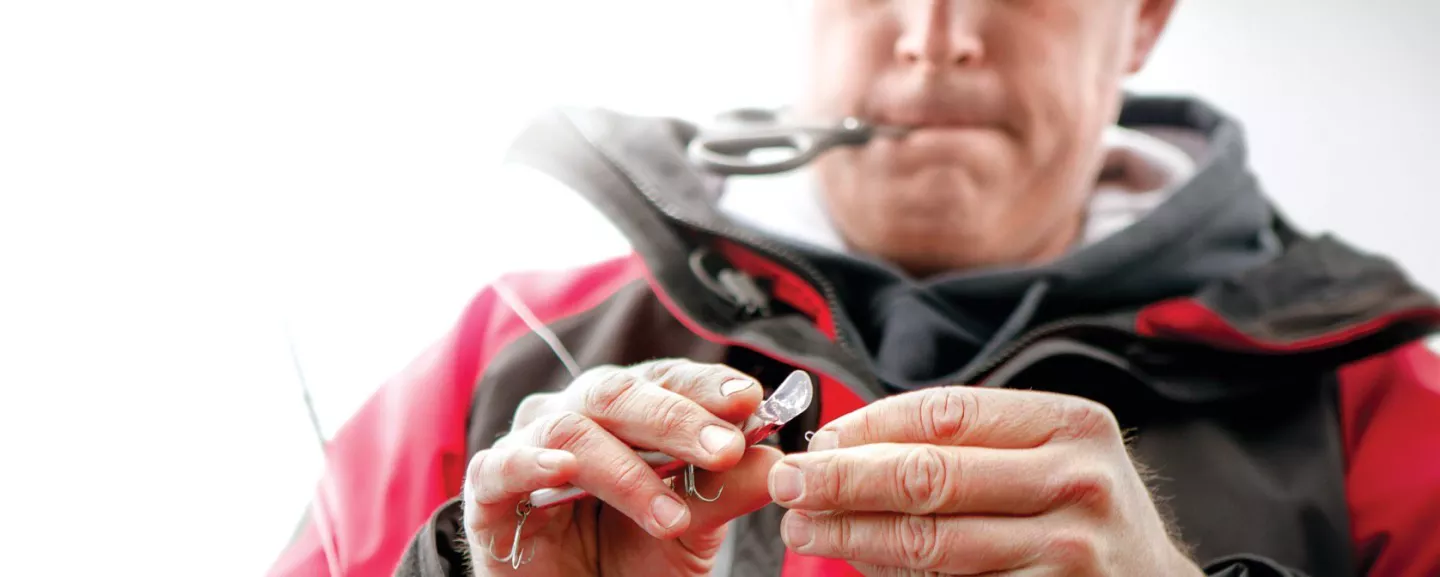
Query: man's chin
column 931, row 199
column 919, row 238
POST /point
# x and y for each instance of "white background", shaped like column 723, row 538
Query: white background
column 181, row 181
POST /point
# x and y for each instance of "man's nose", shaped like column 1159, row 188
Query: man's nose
column 937, row 33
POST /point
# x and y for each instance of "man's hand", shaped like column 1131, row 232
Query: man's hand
column 961, row 480
column 586, row 435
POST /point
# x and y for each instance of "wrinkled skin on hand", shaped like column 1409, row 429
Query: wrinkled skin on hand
column 586, row 435
column 969, row 481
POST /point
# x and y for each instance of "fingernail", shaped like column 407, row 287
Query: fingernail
column 667, row 510
column 824, row 441
column 787, row 483
column 551, row 460
column 734, row 386
column 799, row 530
column 716, row 438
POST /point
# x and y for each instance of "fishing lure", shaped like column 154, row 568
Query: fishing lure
column 789, row 400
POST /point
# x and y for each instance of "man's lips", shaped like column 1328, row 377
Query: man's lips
column 936, row 133
column 912, row 128
column 936, row 117
column 932, row 146
column 939, row 113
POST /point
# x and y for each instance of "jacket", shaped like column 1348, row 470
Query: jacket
column 1287, row 408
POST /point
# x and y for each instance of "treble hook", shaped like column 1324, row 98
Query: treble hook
column 693, row 490
column 516, row 557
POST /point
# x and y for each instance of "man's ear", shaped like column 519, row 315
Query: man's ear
column 1152, row 17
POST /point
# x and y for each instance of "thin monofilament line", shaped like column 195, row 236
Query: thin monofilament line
column 528, row 317
column 305, row 389
column 317, row 515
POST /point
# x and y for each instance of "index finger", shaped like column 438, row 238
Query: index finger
column 726, row 392
column 969, row 416
column 722, row 391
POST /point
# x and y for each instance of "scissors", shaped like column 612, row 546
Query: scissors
column 728, row 150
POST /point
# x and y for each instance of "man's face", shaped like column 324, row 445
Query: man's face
column 1009, row 98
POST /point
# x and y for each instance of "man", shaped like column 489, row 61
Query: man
column 1056, row 332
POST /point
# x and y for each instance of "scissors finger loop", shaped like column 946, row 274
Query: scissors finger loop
column 732, row 153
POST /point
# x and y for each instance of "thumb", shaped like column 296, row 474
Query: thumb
column 745, row 490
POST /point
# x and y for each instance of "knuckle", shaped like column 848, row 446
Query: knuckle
column 477, row 463
column 918, row 543
column 839, row 538
column 705, row 387
column 924, row 478
column 474, row 485
column 509, row 466
column 1090, row 488
column 631, row 476
column 1086, row 419
column 565, row 430
column 690, row 378
column 866, row 423
column 485, row 476
column 661, row 370
column 673, row 416
column 946, row 413
column 833, row 487
column 1076, row 551
column 609, row 393
column 660, row 365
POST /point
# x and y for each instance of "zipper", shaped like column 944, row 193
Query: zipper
column 776, row 252
column 771, row 249
column 1025, row 340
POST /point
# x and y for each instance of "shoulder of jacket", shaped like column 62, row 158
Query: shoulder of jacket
column 1413, row 365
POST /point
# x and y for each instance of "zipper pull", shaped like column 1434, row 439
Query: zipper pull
column 734, row 285
column 745, row 292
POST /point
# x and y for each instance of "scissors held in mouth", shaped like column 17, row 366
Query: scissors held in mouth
column 728, row 151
